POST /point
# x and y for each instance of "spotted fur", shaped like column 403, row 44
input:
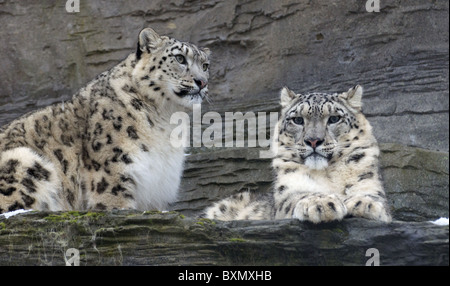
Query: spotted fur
column 326, row 164
column 109, row 147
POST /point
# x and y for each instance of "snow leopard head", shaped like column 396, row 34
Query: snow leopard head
column 316, row 128
column 171, row 69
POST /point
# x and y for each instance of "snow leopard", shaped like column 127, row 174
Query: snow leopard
column 325, row 163
column 109, row 147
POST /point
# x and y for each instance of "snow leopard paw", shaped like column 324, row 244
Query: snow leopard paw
column 370, row 207
column 320, row 208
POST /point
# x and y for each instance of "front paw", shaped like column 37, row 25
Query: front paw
column 320, row 208
column 368, row 207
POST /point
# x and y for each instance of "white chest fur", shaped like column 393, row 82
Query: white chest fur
column 157, row 175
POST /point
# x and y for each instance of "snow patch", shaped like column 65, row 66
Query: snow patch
column 13, row 213
column 440, row 221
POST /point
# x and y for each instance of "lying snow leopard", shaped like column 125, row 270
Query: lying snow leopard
column 109, row 147
column 326, row 164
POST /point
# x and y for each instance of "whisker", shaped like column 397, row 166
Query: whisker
column 209, row 100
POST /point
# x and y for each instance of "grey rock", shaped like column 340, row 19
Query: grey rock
column 131, row 238
column 416, row 180
column 400, row 55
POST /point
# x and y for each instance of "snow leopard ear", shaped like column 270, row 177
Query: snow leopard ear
column 148, row 40
column 354, row 97
column 206, row 51
column 286, row 97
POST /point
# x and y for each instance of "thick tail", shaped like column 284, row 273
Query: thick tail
column 241, row 206
column 27, row 181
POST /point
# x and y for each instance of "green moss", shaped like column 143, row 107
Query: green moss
column 73, row 216
column 204, row 221
column 94, row 215
column 2, row 226
column 236, row 239
column 339, row 230
column 152, row 212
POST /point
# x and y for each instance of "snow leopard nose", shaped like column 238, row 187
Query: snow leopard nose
column 314, row 142
column 201, row 83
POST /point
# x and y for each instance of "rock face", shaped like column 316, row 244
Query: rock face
column 416, row 185
column 400, row 55
column 130, row 238
column 415, row 180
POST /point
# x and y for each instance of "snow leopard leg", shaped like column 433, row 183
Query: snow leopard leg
column 28, row 181
column 241, row 206
column 368, row 203
column 318, row 207
column 307, row 202
column 368, row 206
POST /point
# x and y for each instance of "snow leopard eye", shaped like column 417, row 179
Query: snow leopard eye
column 334, row 119
column 298, row 120
column 205, row 67
column 181, row 59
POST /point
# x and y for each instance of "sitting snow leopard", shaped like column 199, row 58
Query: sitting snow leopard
column 326, row 164
column 109, row 147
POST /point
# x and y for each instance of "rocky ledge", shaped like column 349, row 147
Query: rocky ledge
column 399, row 55
column 416, row 182
column 154, row 238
